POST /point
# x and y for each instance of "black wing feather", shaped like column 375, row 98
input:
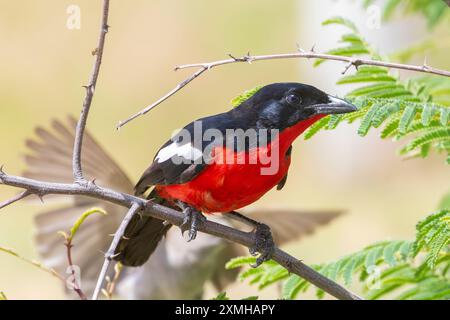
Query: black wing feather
column 173, row 172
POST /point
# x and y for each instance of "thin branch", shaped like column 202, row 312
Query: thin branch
column 34, row 263
column 352, row 61
column 111, row 283
column 163, row 98
column 20, row 196
column 112, row 248
column 90, row 88
column 176, row 218
column 75, row 283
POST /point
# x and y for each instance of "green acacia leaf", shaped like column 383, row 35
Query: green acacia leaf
column 348, row 270
column 369, row 77
column 292, row 286
column 427, row 113
column 372, row 257
column 384, row 112
column 372, row 70
column 249, row 273
column 389, row 252
column 390, row 93
column 239, row 262
column 316, row 127
column 389, row 8
column 244, row 96
column 366, row 121
column 445, row 114
column 441, row 239
column 340, row 21
column 221, row 296
column 335, row 119
column 373, row 88
column 431, row 136
column 407, row 118
column 352, row 38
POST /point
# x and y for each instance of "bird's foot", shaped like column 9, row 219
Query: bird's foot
column 191, row 221
column 264, row 244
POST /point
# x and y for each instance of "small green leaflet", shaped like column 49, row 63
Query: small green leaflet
column 244, row 96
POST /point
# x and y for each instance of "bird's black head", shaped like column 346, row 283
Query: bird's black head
column 282, row 105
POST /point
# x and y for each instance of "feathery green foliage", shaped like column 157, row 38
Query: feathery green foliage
column 407, row 282
column 433, row 234
column 434, row 11
column 223, row 296
column 362, row 263
column 399, row 268
column 244, row 96
column 418, row 109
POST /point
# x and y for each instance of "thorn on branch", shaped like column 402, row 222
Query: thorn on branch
column 246, row 58
column 299, row 49
column 348, row 66
column 354, row 62
column 425, row 66
column 110, row 256
column 233, row 57
column 119, row 125
column 20, row 196
column 41, row 197
column 89, row 88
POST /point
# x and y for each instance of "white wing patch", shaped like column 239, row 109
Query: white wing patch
column 186, row 151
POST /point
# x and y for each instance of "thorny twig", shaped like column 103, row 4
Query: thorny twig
column 90, row 88
column 135, row 207
column 75, row 284
column 352, row 61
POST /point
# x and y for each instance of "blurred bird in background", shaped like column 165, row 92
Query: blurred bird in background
column 177, row 269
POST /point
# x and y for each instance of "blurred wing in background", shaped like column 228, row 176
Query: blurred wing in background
column 51, row 160
column 178, row 269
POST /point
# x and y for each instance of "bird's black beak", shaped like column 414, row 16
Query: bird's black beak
column 334, row 106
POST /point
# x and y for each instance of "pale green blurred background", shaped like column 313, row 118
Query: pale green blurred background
column 43, row 66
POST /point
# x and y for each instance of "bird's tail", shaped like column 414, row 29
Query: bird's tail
column 142, row 236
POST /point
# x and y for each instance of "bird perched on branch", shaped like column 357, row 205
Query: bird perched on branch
column 224, row 162
column 177, row 269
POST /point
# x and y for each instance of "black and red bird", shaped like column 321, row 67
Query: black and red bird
column 194, row 177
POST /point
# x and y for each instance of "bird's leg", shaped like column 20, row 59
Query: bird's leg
column 263, row 238
column 192, row 219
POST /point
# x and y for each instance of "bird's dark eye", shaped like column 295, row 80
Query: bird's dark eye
column 293, row 99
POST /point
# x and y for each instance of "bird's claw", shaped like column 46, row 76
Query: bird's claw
column 264, row 244
column 192, row 219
